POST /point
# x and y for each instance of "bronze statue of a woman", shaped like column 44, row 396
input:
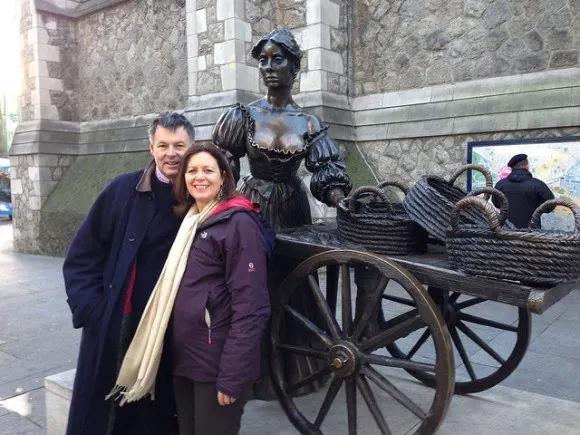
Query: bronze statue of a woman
column 277, row 135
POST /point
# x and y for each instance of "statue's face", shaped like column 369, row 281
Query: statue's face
column 275, row 66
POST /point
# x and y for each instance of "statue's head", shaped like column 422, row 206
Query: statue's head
column 279, row 42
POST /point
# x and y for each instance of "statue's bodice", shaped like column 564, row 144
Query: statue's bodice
column 285, row 132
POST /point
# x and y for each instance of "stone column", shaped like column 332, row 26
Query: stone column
column 43, row 146
column 218, row 40
column 324, row 86
column 44, row 56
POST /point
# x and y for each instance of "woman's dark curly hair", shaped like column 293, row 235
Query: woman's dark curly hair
column 285, row 39
column 182, row 196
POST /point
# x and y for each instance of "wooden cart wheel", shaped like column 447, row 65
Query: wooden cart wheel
column 351, row 345
column 468, row 320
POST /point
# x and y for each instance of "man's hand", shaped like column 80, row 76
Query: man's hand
column 224, row 399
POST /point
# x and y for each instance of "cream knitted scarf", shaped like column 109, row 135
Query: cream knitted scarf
column 139, row 369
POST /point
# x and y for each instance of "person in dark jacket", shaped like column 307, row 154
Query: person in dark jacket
column 524, row 192
column 110, row 270
column 222, row 306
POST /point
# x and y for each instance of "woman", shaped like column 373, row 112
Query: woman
column 277, row 135
column 214, row 289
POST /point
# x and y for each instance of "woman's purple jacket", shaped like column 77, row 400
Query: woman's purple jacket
column 227, row 274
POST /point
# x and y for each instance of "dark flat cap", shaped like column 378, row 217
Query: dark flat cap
column 516, row 159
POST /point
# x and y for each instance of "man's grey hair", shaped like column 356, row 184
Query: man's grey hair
column 171, row 121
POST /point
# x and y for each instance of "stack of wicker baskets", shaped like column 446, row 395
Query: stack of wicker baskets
column 431, row 200
column 368, row 218
column 531, row 256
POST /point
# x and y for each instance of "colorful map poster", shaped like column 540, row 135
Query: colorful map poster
column 555, row 161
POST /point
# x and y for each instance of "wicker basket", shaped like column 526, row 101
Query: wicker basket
column 369, row 219
column 531, row 256
column 431, row 200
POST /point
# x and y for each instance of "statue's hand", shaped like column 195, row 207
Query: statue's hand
column 335, row 196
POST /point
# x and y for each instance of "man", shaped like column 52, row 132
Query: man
column 524, row 192
column 110, row 271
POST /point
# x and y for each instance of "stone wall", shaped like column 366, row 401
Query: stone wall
column 61, row 33
column 266, row 15
column 69, row 203
column 25, row 106
column 404, row 44
column 32, row 178
column 133, row 59
column 408, row 159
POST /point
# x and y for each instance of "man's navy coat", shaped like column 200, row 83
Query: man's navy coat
column 96, row 271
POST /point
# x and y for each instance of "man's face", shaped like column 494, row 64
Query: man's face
column 168, row 148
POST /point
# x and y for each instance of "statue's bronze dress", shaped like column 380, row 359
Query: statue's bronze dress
column 275, row 142
column 274, row 161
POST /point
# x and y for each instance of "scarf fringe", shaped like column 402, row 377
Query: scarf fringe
column 116, row 393
column 122, row 395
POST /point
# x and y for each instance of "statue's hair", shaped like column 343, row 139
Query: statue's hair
column 285, row 39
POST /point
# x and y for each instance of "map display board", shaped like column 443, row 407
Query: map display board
column 555, row 161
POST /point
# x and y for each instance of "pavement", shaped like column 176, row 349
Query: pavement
column 542, row 396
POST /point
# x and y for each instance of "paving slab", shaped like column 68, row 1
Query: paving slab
column 498, row 411
column 15, row 424
column 552, row 376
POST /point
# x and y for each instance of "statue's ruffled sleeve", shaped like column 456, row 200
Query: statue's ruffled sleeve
column 326, row 162
column 230, row 134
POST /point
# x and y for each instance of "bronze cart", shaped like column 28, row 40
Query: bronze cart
column 364, row 326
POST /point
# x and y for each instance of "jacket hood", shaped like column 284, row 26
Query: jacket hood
column 519, row 175
column 224, row 211
column 236, row 201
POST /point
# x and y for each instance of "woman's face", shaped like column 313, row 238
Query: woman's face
column 203, row 178
column 275, row 66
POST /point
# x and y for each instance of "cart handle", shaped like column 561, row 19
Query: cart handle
column 549, row 205
column 485, row 172
column 480, row 203
column 366, row 189
column 402, row 187
column 504, row 207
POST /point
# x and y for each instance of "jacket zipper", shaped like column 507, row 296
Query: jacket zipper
column 208, row 323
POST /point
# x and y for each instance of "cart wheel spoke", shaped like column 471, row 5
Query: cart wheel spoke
column 328, row 400
column 346, row 300
column 386, row 361
column 462, row 353
column 453, row 298
column 371, row 308
column 419, row 343
column 323, row 307
column 486, row 322
column 320, row 374
column 394, row 392
column 388, row 336
column 318, row 354
column 399, row 300
column 371, row 402
column 478, row 340
column 470, row 303
column 350, row 388
column 310, row 326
